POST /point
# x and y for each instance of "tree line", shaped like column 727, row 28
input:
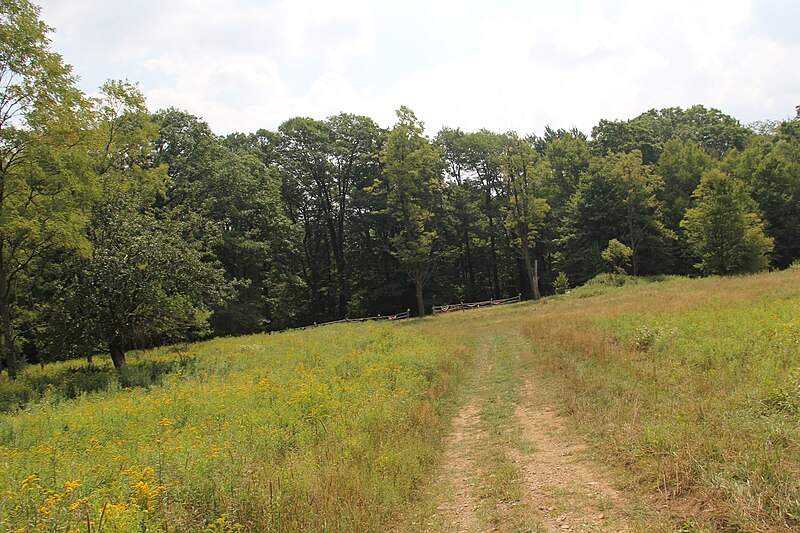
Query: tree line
column 121, row 228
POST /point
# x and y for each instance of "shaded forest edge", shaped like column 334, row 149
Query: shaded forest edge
column 121, row 228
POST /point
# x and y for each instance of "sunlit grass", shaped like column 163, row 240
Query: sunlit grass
column 691, row 385
column 321, row 429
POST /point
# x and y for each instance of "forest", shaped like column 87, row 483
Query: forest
column 122, row 228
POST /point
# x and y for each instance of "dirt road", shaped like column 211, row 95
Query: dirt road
column 510, row 463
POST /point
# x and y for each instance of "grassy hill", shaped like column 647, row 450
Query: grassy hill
column 690, row 388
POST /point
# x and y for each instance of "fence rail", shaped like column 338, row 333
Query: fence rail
column 407, row 313
column 397, row 316
column 474, row 305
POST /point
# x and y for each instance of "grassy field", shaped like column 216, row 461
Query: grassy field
column 688, row 389
column 324, row 429
column 691, row 386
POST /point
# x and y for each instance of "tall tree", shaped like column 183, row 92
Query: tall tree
column 353, row 154
column 615, row 199
column 234, row 194
column 412, row 183
column 714, row 131
column 524, row 174
column 483, row 150
column 464, row 195
column 45, row 180
column 770, row 168
column 725, row 232
column 638, row 186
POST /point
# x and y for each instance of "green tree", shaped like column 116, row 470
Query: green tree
column 770, row 168
column 561, row 283
column 638, row 186
column 483, row 149
column 524, row 173
column 723, row 229
column 46, row 185
column 465, row 197
column 148, row 280
column 235, row 196
column 122, row 146
column 714, row 131
column 615, row 199
column 617, row 255
column 680, row 166
column 412, row 182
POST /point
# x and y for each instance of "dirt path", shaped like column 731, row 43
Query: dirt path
column 459, row 471
column 567, row 491
column 509, row 463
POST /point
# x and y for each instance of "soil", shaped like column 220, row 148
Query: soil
column 459, row 470
column 563, row 489
column 567, row 491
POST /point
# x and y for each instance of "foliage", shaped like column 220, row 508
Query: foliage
column 770, row 169
column 714, row 131
column 726, row 234
column 148, row 280
column 325, row 219
column 561, row 283
column 412, row 184
column 45, row 182
column 617, row 255
column 523, row 175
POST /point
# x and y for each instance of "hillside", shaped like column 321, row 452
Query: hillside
column 656, row 405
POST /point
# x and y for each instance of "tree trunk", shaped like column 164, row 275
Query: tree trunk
column 493, row 247
column 470, row 270
column 532, row 268
column 117, row 348
column 9, row 353
column 420, row 301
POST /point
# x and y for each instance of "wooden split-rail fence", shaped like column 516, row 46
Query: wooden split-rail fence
column 475, row 305
column 396, row 316
column 407, row 313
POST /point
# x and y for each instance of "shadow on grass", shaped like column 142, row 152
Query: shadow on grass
column 65, row 381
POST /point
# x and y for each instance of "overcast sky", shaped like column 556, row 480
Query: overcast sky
column 503, row 64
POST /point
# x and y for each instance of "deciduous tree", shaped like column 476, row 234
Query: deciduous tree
column 725, row 232
column 46, row 184
column 412, row 182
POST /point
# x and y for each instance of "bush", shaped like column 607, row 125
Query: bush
column 561, row 283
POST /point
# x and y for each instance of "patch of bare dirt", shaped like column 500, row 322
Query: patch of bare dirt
column 563, row 488
column 458, row 471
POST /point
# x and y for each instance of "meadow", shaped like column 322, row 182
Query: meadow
column 688, row 389
column 692, row 387
column 323, row 429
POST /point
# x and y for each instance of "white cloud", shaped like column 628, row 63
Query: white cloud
column 245, row 64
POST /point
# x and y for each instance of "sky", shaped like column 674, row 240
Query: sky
column 504, row 65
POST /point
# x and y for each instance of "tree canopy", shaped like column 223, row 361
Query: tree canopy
column 121, row 227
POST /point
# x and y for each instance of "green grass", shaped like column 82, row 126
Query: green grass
column 329, row 428
column 691, row 386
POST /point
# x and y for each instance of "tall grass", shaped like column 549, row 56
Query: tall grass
column 327, row 429
column 694, row 386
